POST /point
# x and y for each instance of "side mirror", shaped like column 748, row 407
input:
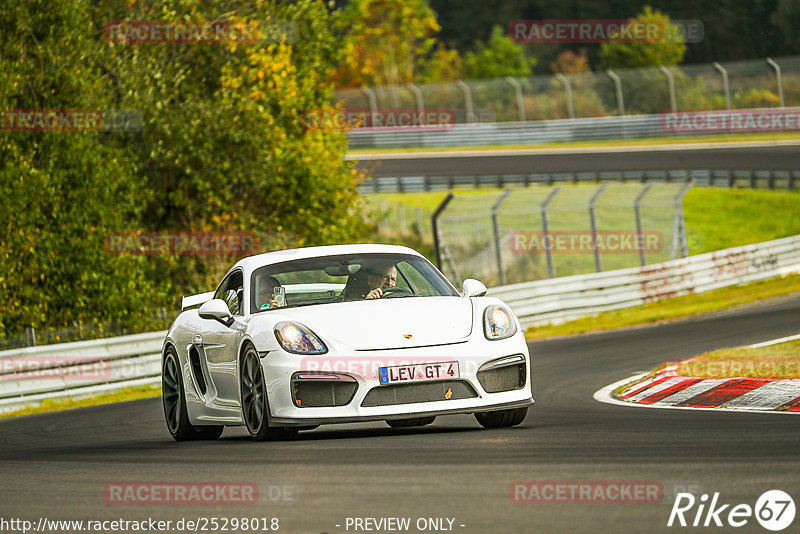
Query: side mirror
column 216, row 309
column 473, row 288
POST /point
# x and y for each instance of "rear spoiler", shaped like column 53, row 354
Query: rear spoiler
column 196, row 300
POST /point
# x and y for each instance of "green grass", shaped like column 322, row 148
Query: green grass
column 674, row 308
column 122, row 395
column 718, row 218
column 781, row 360
column 722, row 138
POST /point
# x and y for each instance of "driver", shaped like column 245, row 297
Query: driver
column 380, row 278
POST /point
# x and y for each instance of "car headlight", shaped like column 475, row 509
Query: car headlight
column 498, row 323
column 298, row 339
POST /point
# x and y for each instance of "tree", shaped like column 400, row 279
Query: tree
column 384, row 40
column 63, row 191
column 498, row 58
column 667, row 48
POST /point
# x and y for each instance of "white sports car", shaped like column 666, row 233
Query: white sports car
column 339, row 334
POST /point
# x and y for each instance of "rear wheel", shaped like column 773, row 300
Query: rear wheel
column 174, row 400
column 502, row 418
column 404, row 423
column 255, row 408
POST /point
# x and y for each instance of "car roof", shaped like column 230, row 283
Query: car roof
column 251, row 263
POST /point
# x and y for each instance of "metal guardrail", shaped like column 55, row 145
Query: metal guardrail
column 559, row 300
column 504, row 133
column 31, row 375
column 754, row 179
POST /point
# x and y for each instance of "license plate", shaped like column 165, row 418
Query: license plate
column 419, row 372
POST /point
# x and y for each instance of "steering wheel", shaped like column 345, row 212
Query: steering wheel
column 387, row 292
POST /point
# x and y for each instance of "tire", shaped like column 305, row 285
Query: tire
column 173, row 399
column 255, row 409
column 405, row 423
column 502, row 418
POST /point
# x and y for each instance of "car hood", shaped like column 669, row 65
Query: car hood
column 388, row 323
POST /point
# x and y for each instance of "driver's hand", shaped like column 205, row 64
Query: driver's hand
column 375, row 293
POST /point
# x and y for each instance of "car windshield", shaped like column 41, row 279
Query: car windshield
column 344, row 278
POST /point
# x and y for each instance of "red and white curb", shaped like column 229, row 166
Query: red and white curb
column 665, row 389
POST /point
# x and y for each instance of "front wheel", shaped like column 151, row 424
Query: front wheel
column 502, row 418
column 174, row 400
column 255, row 408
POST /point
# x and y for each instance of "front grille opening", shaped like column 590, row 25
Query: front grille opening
column 310, row 391
column 495, row 376
column 197, row 370
column 419, row 392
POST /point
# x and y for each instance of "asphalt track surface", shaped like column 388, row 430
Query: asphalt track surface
column 731, row 158
column 57, row 465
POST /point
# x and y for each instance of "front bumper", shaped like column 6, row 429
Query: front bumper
column 362, row 367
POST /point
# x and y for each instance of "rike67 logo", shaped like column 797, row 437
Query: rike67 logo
column 774, row 510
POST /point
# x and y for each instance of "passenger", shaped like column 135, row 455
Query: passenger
column 266, row 293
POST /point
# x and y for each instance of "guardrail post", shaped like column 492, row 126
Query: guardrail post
column 30, row 336
column 467, row 100
column 501, row 272
column 679, row 225
column 518, row 93
column 435, row 224
column 593, row 224
column 551, row 270
column 618, row 89
column 373, row 103
column 777, row 68
column 673, row 102
column 637, row 212
column 418, row 98
column 570, row 104
column 725, row 83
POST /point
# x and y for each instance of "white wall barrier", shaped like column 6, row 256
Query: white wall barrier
column 559, row 300
column 31, row 375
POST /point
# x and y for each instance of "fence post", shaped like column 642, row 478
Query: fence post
column 671, row 84
column 437, row 245
column 637, row 212
column 593, row 224
column 518, row 93
column 570, row 104
column 467, row 100
column 618, row 89
column 679, row 225
column 551, row 270
column 780, row 80
column 418, row 98
column 373, row 104
column 30, row 336
column 725, row 84
column 501, row 272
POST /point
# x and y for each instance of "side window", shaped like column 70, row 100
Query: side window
column 232, row 292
